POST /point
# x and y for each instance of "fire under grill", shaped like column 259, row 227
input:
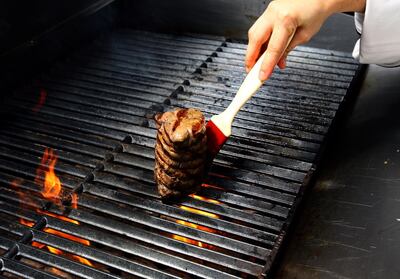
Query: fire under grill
column 86, row 127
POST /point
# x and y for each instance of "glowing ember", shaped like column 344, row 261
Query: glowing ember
column 15, row 183
column 68, row 236
column 187, row 240
column 42, row 99
column 82, row 260
column 38, row 245
column 219, row 175
column 59, row 252
column 211, row 186
column 26, row 222
column 58, row 216
column 74, row 201
column 192, row 241
column 54, row 250
column 198, row 211
column 58, row 233
column 197, row 197
column 195, row 226
column 61, row 234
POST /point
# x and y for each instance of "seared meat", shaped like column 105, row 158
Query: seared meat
column 180, row 152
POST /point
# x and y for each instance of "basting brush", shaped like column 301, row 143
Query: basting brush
column 219, row 127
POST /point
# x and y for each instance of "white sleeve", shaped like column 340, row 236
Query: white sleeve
column 380, row 33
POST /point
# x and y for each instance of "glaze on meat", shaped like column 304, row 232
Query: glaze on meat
column 180, row 152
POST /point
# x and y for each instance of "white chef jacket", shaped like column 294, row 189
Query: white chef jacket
column 380, row 33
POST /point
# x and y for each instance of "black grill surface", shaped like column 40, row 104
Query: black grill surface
column 95, row 111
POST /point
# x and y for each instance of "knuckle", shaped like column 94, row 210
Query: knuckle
column 252, row 35
column 274, row 51
column 273, row 6
column 255, row 40
column 305, row 37
column 266, row 66
column 289, row 23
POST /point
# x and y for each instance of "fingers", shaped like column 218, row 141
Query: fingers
column 259, row 35
column 299, row 38
column 277, row 45
column 282, row 62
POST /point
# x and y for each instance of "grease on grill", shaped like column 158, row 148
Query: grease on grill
column 180, row 152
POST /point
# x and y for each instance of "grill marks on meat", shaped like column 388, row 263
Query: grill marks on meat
column 180, row 152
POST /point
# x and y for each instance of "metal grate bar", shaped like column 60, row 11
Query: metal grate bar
column 97, row 116
column 60, row 263
column 115, row 242
column 28, row 137
column 23, row 157
column 223, row 210
column 22, row 270
column 87, row 252
column 260, row 109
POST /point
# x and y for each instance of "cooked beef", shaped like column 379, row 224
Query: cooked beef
column 194, row 162
column 180, row 152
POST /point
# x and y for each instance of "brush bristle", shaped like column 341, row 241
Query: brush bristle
column 215, row 139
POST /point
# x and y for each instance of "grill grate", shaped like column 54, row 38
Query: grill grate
column 95, row 112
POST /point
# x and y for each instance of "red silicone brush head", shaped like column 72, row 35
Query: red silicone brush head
column 215, row 139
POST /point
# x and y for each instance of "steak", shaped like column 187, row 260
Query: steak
column 180, row 152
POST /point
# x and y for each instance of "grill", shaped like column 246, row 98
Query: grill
column 94, row 112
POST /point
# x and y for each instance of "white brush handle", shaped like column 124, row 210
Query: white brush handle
column 248, row 88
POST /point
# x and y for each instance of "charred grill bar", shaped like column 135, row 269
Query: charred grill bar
column 95, row 111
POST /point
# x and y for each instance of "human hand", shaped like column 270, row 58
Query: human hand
column 286, row 24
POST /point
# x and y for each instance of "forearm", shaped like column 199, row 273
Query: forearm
column 339, row 6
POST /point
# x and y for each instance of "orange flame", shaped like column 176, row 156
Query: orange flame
column 52, row 184
column 52, row 190
column 195, row 226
